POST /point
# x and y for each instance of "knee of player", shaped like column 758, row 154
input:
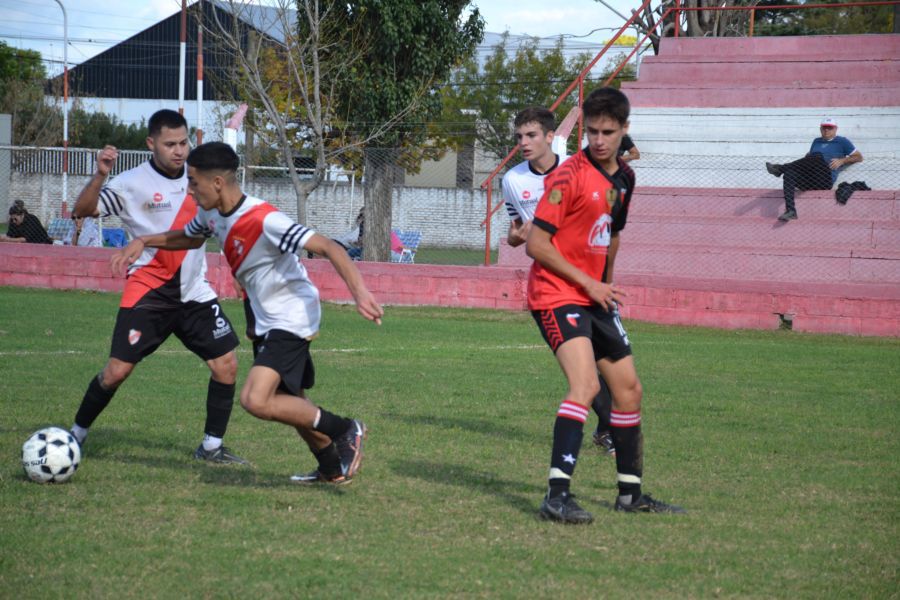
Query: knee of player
column 224, row 368
column 114, row 374
column 255, row 403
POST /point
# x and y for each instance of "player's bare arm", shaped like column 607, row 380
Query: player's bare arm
column 334, row 252
column 518, row 232
column 86, row 204
column 611, row 256
column 169, row 240
column 541, row 249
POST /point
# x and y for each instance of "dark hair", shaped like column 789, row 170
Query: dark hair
column 165, row 118
column 607, row 102
column 536, row 114
column 17, row 209
column 214, row 156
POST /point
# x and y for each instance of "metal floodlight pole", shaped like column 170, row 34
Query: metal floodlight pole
column 182, row 52
column 65, row 161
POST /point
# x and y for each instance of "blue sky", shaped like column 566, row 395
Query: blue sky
column 94, row 27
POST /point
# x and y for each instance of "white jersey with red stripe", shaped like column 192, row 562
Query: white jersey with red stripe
column 262, row 246
column 149, row 201
column 522, row 188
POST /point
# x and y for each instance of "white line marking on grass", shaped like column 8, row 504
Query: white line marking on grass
column 40, row 352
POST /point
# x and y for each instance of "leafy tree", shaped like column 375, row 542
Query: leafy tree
column 22, row 81
column 821, row 21
column 409, row 49
column 95, row 130
column 480, row 102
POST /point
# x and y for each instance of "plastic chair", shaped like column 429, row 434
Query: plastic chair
column 410, row 240
column 114, row 237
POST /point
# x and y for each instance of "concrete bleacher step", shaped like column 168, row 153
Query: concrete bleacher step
column 824, row 71
column 875, row 46
column 881, row 206
column 804, row 94
column 751, row 263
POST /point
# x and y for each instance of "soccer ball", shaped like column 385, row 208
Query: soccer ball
column 51, row 455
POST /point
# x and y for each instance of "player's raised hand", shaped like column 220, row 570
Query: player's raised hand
column 106, row 158
column 124, row 258
column 606, row 295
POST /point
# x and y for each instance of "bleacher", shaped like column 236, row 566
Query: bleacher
column 703, row 244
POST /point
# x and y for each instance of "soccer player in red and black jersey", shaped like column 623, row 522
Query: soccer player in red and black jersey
column 573, row 240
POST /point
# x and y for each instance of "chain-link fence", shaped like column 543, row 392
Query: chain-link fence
column 441, row 197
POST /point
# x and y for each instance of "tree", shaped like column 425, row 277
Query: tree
column 409, row 50
column 22, row 89
column 95, row 130
column 480, row 102
column 821, row 21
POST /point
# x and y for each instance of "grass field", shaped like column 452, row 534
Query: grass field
column 782, row 446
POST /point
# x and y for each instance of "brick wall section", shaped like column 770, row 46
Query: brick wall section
column 872, row 309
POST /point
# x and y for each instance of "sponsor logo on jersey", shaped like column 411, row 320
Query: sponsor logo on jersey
column 158, row 203
column 526, row 195
column 555, row 197
column 572, row 318
column 238, row 245
column 134, row 336
column 599, row 238
column 595, row 196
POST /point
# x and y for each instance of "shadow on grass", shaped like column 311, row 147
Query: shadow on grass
column 524, row 497
column 492, row 427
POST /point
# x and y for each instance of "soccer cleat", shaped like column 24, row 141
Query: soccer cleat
column 648, row 504
column 788, row 215
column 773, row 169
column 604, row 440
column 220, row 455
column 350, row 446
column 564, row 509
column 317, row 477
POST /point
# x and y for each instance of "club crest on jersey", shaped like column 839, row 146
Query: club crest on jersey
column 572, row 318
column 555, row 197
column 134, row 336
column 238, row 245
column 611, row 196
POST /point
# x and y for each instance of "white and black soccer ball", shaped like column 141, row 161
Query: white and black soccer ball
column 51, row 455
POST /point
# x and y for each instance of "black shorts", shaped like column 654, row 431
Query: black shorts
column 202, row 327
column 288, row 355
column 604, row 329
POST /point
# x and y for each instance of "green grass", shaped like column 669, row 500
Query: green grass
column 782, row 446
column 452, row 256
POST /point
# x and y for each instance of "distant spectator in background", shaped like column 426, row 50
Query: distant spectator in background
column 84, row 232
column 352, row 240
column 396, row 247
column 628, row 151
column 818, row 170
column 24, row 227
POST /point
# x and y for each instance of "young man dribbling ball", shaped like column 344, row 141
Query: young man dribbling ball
column 573, row 242
column 262, row 246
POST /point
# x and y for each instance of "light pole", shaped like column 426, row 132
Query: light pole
column 65, row 165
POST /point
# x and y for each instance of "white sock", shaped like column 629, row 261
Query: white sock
column 79, row 432
column 211, row 442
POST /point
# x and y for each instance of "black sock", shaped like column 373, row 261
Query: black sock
column 567, row 434
column 602, row 405
column 629, row 442
column 332, row 425
column 329, row 459
column 95, row 400
column 219, row 401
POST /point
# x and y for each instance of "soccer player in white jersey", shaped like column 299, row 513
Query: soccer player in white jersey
column 263, row 246
column 166, row 292
column 523, row 186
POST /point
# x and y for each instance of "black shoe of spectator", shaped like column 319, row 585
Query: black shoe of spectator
column 773, row 169
column 788, row 215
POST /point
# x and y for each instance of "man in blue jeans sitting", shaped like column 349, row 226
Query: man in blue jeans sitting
column 818, row 170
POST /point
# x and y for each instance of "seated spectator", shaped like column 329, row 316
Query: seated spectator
column 818, row 170
column 352, row 240
column 24, row 227
column 627, row 150
column 396, row 247
column 84, row 233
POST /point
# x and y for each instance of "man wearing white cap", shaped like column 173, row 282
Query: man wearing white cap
column 818, row 170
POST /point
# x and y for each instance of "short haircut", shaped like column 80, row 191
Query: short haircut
column 16, row 209
column 536, row 114
column 607, row 102
column 165, row 118
column 214, row 156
